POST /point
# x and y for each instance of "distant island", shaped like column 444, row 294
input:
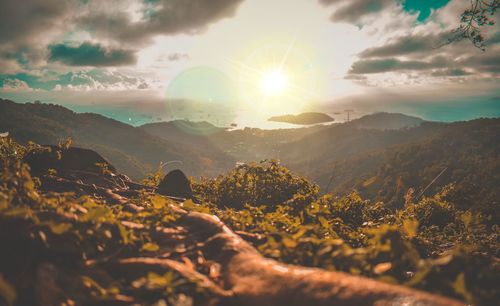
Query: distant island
column 303, row 119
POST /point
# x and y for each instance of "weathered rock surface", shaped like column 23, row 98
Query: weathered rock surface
column 82, row 171
column 175, row 184
column 62, row 159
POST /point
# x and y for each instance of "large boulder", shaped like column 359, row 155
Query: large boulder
column 66, row 159
column 175, row 184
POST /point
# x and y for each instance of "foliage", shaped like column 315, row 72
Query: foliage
column 36, row 228
column 266, row 183
column 478, row 15
column 428, row 243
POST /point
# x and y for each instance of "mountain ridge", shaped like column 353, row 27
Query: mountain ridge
column 307, row 118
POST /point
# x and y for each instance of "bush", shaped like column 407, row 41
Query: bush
column 266, row 183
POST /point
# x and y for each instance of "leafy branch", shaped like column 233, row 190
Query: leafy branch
column 471, row 21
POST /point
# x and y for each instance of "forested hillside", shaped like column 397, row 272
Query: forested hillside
column 468, row 154
column 132, row 150
column 382, row 156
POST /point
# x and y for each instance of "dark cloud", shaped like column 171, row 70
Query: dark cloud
column 88, row 54
column 489, row 63
column 355, row 77
column 178, row 56
column 493, row 39
column 393, row 64
column 352, row 10
column 450, row 73
column 21, row 20
column 405, row 45
column 163, row 17
column 445, row 64
column 27, row 27
column 430, row 54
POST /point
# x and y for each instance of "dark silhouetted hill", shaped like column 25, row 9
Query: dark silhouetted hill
column 133, row 150
column 303, row 119
column 381, row 155
column 387, row 121
column 383, row 165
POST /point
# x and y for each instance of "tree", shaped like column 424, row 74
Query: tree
column 471, row 21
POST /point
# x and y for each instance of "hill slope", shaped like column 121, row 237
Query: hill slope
column 303, row 119
column 132, row 150
column 383, row 165
column 380, row 155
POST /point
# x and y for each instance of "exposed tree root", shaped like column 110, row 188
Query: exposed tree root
column 255, row 280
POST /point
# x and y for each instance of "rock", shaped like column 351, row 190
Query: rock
column 70, row 159
column 175, row 184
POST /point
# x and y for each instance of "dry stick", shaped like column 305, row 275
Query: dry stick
column 330, row 181
column 432, row 182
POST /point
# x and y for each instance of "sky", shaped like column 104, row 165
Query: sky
column 242, row 61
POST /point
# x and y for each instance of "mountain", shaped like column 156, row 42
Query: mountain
column 244, row 145
column 387, row 121
column 383, row 165
column 132, row 150
column 303, row 119
column 194, row 134
column 381, row 156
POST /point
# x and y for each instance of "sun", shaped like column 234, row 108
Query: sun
column 273, row 82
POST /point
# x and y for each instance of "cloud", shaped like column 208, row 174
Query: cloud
column 28, row 27
column 160, row 17
column 393, row 64
column 450, row 73
column 15, row 85
column 407, row 44
column 177, row 57
column 489, row 63
column 22, row 20
column 88, row 54
column 493, row 39
column 418, row 53
column 85, row 80
column 353, row 10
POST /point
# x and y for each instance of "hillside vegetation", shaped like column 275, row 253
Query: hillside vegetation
column 82, row 248
column 381, row 156
column 132, row 150
column 393, row 162
column 303, row 119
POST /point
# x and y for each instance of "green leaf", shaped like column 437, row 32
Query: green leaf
column 188, row 204
column 289, row 243
column 460, row 287
column 60, row 228
column 97, row 214
column 323, row 222
column 150, row 247
column 124, row 234
column 410, row 227
column 466, row 218
column 90, row 283
column 158, row 202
